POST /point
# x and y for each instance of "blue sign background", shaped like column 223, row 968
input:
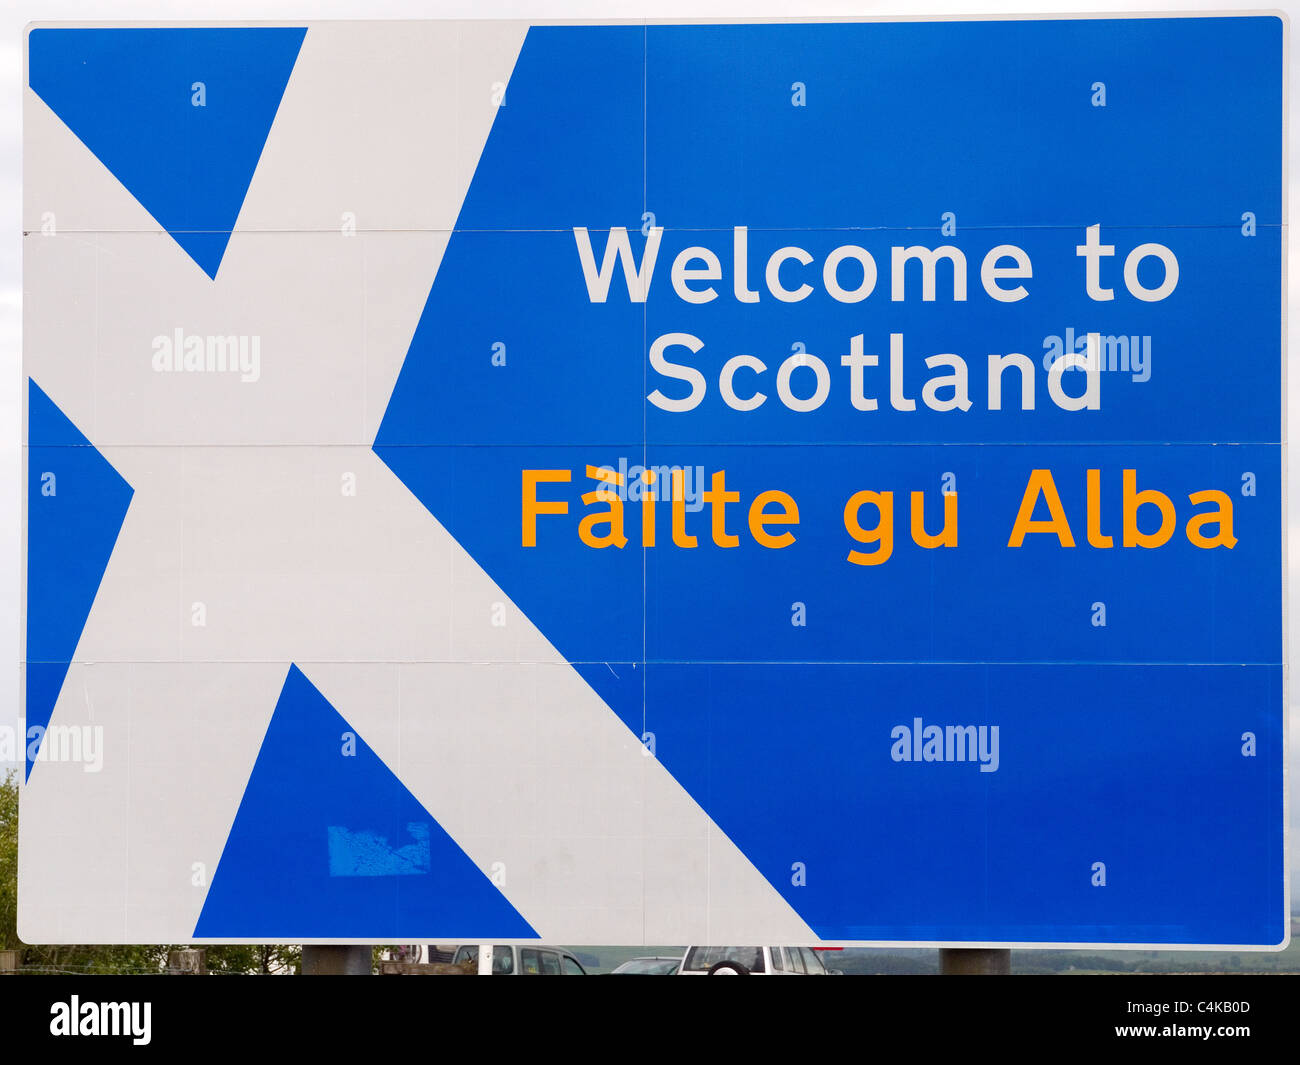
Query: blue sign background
column 1120, row 744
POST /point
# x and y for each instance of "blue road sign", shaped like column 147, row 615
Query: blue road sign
column 847, row 458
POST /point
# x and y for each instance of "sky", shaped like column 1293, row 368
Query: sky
column 17, row 14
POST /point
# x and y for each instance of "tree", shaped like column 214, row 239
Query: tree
column 9, row 862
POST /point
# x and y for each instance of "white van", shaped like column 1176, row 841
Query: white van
column 519, row 959
column 751, row 961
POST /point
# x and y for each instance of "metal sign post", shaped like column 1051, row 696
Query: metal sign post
column 330, row 960
column 964, row 961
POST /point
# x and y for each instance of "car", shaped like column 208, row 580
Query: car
column 519, row 959
column 648, row 967
column 751, row 961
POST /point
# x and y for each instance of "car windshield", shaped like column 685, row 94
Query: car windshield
column 503, row 958
column 702, row 959
column 654, row 966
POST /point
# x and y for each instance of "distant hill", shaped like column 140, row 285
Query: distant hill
column 900, row 961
